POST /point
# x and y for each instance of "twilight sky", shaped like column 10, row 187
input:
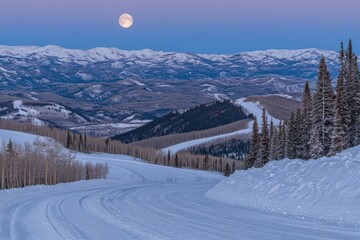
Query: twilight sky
column 201, row 26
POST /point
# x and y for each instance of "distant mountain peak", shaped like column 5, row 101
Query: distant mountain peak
column 115, row 53
column 112, row 64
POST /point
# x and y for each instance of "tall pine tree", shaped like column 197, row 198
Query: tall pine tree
column 299, row 133
column 273, row 139
column 254, row 147
column 281, row 142
column 306, row 136
column 292, row 137
column 323, row 108
column 263, row 156
column 351, row 90
column 339, row 138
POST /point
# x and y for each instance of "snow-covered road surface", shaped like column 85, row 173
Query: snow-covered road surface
column 143, row 201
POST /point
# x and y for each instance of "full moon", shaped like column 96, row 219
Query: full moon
column 126, row 20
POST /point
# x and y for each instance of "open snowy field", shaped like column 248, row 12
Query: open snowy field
column 143, row 201
column 324, row 189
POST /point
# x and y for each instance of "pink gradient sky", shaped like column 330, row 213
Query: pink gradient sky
column 181, row 25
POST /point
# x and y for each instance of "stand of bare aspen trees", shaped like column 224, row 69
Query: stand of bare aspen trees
column 88, row 144
column 43, row 163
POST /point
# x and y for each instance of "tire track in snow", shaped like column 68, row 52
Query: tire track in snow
column 143, row 201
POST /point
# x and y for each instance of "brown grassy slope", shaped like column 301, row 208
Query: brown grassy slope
column 277, row 106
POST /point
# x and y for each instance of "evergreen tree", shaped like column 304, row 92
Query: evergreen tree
column 306, row 136
column 169, row 158
column 300, row 145
column 323, row 108
column 283, row 141
column 292, row 137
column 273, row 142
column 337, row 139
column 279, row 144
column 340, row 102
column 352, row 100
column 85, row 143
column 227, row 171
column 263, row 156
column 272, row 128
column 254, row 147
column 177, row 162
column 271, row 135
column 68, row 139
column 317, row 149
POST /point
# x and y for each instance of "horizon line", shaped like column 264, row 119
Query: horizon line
column 162, row 51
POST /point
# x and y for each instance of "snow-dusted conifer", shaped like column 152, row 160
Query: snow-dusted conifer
column 291, row 137
column 263, row 156
column 254, row 147
column 317, row 149
column 273, row 141
column 351, row 90
column 337, row 139
column 280, row 142
column 306, row 136
column 323, row 108
column 299, row 133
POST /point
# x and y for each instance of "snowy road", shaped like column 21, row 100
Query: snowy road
column 142, row 201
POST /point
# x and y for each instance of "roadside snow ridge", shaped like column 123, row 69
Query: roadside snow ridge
column 325, row 189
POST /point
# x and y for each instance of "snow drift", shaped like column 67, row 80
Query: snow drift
column 326, row 189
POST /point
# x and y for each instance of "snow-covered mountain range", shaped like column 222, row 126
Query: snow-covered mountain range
column 54, row 63
column 108, row 85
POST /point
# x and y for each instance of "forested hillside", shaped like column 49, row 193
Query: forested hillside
column 328, row 123
column 235, row 148
column 201, row 117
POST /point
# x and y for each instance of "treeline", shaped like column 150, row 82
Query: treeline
column 169, row 140
column 328, row 123
column 201, row 162
column 43, row 163
column 235, row 148
column 88, row 144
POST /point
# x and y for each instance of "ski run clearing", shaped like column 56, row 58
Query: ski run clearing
column 184, row 145
column 144, row 201
column 250, row 107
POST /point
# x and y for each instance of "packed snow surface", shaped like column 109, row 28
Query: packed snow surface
column 324, row 189
column 256, row 109
column 144, row 201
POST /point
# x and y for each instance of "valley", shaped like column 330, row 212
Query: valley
column 94, row 87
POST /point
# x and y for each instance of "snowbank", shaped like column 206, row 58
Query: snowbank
column 326, row 189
